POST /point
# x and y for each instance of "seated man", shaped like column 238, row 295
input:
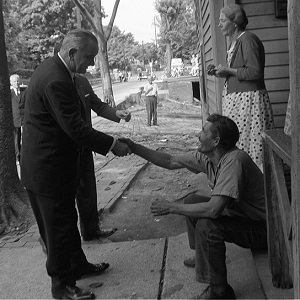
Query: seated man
column 235, row 211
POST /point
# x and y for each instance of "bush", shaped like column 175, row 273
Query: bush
column 24, row 73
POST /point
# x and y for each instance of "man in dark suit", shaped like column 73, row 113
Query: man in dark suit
column 86, row 197
column 53, row 137
column 17, row 105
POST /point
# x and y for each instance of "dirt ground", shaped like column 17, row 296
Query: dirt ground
column 132, row 215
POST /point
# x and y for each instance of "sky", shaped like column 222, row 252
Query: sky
column 135, row 16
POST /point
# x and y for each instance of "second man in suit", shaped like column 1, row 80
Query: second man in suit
column 86, row 197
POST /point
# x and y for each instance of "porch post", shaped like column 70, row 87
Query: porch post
column 294, row 50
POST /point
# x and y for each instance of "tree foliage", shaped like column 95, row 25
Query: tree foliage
column 177, row 28
column 120, row 48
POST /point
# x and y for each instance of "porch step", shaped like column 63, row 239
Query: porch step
column 262, row 266
column 179, row 281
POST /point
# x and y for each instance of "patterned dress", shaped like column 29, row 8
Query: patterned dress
column 252, row 113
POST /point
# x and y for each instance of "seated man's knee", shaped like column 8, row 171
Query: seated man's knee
column 194, row 198
column 205, row 227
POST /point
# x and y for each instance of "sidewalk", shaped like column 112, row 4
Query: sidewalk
column 145, row 269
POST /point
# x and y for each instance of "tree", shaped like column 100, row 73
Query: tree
column 184, row 37
column 13, row 198
column 103, row 34
column 171, row 17
column 43, row 22
column 13, row 35
column 120, row 48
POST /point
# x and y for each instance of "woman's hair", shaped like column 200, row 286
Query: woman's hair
column 226, row 129
column 236, row 14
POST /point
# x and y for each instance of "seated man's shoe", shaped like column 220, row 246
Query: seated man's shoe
column 208, row 293
column 73, row 292
column 100, row 233
column 155, row 124
column 90, row 270
column 189, row 262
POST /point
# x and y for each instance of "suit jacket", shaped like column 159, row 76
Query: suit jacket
column 249, row 59
column 92, row 102
column 54, row 132
column 17, row 105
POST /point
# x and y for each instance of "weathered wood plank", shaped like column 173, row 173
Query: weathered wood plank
column 279, row 108
column 278, row 84
column 278, row 258
column 272, row 72
column 279, row 96
column 283, row 202
column 294, row 47
column 280, row 143
column 277, row 59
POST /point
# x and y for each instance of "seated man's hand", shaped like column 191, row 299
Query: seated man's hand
column 121, row 149
column 129, row 142
column 124, row 114
column 160, row 207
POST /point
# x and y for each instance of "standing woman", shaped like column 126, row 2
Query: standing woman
column 244, row 98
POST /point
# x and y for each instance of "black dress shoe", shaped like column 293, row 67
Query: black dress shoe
column 100, row 233
column 189, row 262
column 208, row 293
column 91, row 270
column 73, row 292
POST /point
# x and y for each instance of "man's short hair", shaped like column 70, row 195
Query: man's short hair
column 226, row 129
column 78, row 38
column 14, row 76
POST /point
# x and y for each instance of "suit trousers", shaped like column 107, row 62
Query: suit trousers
column 208, row 237
column 57, row 222
column 86, row 197
column 17, row 140
column 151, row 107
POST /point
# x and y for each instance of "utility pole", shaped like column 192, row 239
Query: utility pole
column 155, row 34
column 78, row 17
column 143, row 54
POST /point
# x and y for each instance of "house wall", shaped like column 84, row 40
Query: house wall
column 272, row 31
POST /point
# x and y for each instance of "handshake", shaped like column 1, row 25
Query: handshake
column 124, row 114
column 123, row 147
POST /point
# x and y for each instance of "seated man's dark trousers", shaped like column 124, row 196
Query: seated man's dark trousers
column 57, row 222
column 151, row 107
column 86, row 197
column 208, row 237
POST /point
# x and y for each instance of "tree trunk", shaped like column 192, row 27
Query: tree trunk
column 14, row 202
column 102, row 62
column 169, row 57
column 103, row 59
column 105, row 74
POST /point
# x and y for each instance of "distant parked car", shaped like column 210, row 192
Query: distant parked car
column 144, row 74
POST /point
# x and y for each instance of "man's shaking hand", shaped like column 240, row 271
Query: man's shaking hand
column 124, row 114
column 121, row 148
